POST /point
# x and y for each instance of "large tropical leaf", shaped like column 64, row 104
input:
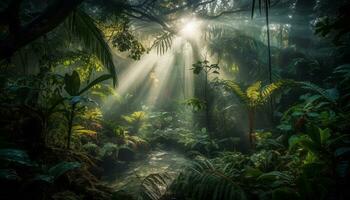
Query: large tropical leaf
column 96, row 81
column 82, row 26
column 62, row 167
column 15, row 156
column 56, row 171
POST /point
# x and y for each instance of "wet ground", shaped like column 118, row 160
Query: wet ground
column 157, row 161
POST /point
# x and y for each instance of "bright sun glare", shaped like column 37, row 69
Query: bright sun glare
column 190, row 27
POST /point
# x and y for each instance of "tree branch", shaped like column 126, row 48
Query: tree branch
column 53, row 16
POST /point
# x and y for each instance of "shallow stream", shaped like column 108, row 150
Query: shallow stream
column 157, row 161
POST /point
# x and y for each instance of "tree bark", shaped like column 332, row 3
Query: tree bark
column 70, row 125
column 251, row 116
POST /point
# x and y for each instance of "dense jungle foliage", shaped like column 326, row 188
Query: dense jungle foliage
column 175, row 99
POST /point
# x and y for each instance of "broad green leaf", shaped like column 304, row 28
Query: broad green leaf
column 325, row 135
column 62, row 167
column 251, row 172
column 15, row 156
column 72, row 83
column 96, row 81
column 82, row 26
column 274, row 175
column 343, row 151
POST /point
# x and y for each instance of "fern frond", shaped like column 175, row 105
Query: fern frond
column 253, row 91
column 317, row 89
column 154, row 186
column 82, row 27
column 236, row 89
column 215, row 31
column 206, row 180
column 268, row 90
column 163, row 43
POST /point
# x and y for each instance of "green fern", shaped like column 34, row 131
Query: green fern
column 255, row 95
column 317, row 89
column 155, row 186
column 253, row 92
column 268, row 90
column 207, row 180
column 163, row 43
column 233, row 87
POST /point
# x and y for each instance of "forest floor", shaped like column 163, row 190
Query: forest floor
column 156, row 161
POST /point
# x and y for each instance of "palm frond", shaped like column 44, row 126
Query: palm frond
column 216, row 31
column 163, row 43
column 82, row 26
column 154, row 186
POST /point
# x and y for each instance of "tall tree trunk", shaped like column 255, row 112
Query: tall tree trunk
column 70, row 125
column 207, row 114
column 251, row 119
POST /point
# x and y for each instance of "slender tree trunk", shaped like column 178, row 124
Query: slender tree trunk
column 268, row 40
column 70, row 125
column 267, row 7
column 251, row 116
column 207, row 114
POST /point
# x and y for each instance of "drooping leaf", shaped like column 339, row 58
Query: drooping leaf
column 82, row 26
column 96, row 81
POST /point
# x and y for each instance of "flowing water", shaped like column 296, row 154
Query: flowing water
column 157, row 161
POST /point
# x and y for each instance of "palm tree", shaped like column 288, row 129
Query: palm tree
column 253, row 98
